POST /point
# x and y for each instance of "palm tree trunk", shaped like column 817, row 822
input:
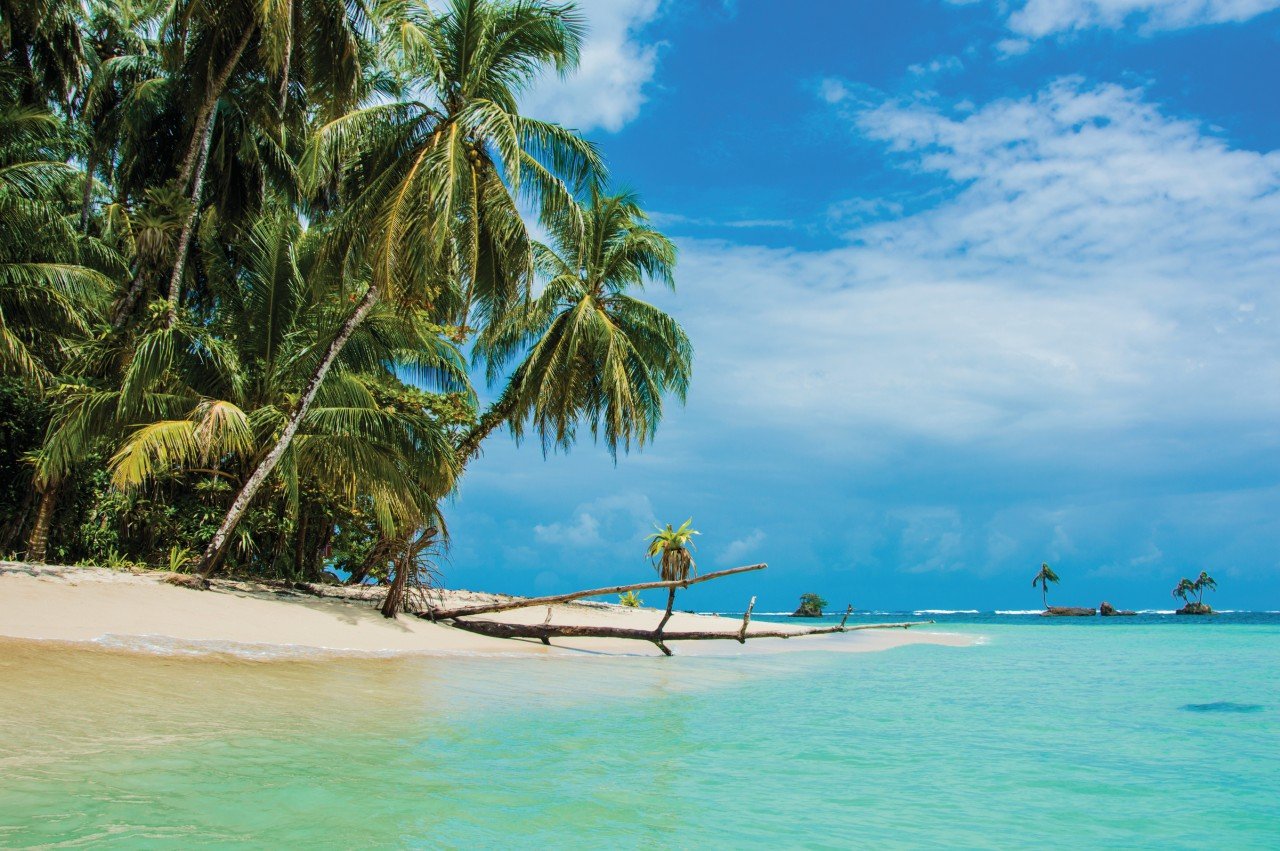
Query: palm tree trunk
column 18, row 521
column 125, row 309
column 288, row 61
column 300, row 543
column 196, row 160
column 188, row 227
column 666, row 616
column 218, row 545
column 1044, row 594
column 497, row 414
column 395, row 594
column 205, row 115
column 86, row 194
column 38, row 543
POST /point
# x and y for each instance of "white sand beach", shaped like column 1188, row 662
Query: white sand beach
column 140, row 611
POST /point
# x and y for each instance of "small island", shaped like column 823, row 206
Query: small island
column 1186, row 588
column 811, row 606
column 1109, row 611
column 1043, row 578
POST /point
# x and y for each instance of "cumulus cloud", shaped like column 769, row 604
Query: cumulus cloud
column 608, row 89
column 1100, row 277
column 607, row 522
column 742, row 548
column 1036, row 19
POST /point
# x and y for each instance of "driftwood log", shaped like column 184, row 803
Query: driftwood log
column 545, row 632
column 439, row 614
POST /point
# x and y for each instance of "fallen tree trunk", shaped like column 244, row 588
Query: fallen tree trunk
column 546, row 631
column 438, row 614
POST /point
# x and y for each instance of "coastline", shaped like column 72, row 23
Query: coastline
column 140, row 612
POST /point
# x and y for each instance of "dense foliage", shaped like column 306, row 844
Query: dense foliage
column 811, row 606
column 246, row 251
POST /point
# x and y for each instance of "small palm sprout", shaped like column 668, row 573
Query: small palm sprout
column 670, row 550
column 630, row 600
column 1043, row 578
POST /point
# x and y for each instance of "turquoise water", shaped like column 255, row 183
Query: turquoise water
column 1129, row 734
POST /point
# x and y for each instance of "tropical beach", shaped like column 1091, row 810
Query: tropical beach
column 639, row 424
column 140, row 611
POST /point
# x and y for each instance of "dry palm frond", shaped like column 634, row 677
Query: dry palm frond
column 670, row 546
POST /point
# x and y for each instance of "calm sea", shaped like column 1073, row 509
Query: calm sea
column 1154, row 731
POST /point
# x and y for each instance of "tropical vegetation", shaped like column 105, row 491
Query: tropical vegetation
column 1043, row 578
column 1187, row 588
column 251, row 255
column 669, row 550
column 811, row 606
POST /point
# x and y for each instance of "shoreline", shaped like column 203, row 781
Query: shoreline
column 139, row 612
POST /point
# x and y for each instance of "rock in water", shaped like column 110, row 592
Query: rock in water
column 1109, row 611
column 1195, row 609
column 1068, row 612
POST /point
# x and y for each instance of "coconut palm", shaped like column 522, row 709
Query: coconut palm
column 363, row 441
column 591, row 352
column 54, row 280
column 428, row 192
column 669, row 551
column 1043, row 578
column 42, row 41
column 1204, row 582
column 1184, row 589
column 51, row 278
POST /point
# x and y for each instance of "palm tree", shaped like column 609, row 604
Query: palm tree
column 53, row 279
column 319, row 44
column 48, row 281
column 590, row 351
column 1043, row 578
column 1184, row 589
column 364, row 441
column 42, row 41
column 428, row 213
column 670, row 547
column 1204, row 582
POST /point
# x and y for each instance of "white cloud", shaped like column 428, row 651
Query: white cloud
column 1040, row 18
column 937, row 66
column 833, row 90
column 617, row 520
column 1102, row 277
column 608, row 88
column 742, row 548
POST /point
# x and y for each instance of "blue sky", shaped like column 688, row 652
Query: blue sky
column 972, row 285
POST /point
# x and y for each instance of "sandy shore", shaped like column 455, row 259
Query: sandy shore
column 140, row 611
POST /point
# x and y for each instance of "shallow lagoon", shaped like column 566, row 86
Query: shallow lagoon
column 1041, row 734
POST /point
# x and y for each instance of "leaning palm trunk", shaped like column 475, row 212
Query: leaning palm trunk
column 394, row 600
column 407, row 570
column 217, row 548
column 497, row 414
column 38, row 543
column 195, row 162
